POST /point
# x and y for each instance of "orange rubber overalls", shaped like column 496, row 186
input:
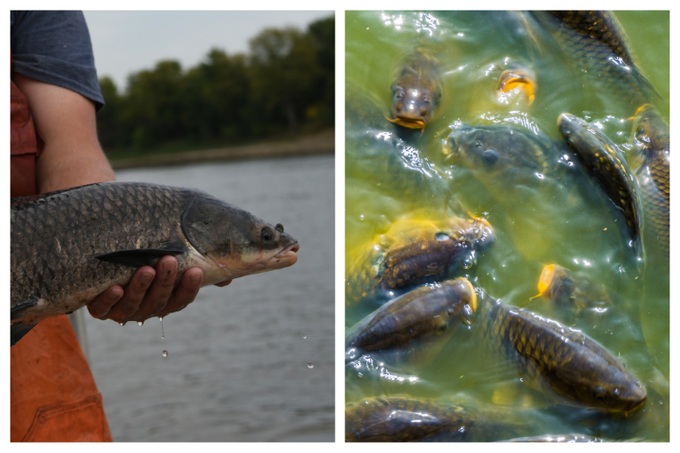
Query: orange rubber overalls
column 53, row 396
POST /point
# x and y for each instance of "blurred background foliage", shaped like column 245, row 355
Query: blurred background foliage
column 284, row 86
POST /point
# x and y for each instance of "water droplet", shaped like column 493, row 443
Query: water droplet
column 310, row 365
column 304, row 337
column 121, row 323
column 164, row 353
column 162, row 328
column 140, row 323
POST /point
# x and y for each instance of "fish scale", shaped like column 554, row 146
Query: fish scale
column 652, row 141
column 53, row 220
column 598, row 45
column 69, row 246
column 561, row 359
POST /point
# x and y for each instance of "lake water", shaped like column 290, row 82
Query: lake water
column 539, row 217
column 253, row 361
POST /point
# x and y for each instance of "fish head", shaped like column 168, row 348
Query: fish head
column 477, row 231
column 650, row 131
column 235, row 241
column 412, row 107
column 496, row 151
column 604, row 384
column 517, row 78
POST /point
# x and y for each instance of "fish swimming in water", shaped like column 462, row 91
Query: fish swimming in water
column 520, row 78
column 69, row 246
column 563, row 360
column 399, row 418
column 414, row 251
column 425, row 312
column 652, row 142
column 598, row 47
column 606, row 164
column 416, row 90
column 572, row 290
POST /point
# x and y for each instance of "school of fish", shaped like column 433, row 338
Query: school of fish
column 414, row 280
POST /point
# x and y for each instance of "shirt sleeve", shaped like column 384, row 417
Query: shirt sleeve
column 54, row 47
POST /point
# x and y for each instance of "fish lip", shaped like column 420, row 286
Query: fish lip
column 288, row 250
column 409, row 122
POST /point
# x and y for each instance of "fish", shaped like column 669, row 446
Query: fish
column 520, row 78
column 416, row 90
column 598, row 46
column 69, row 246
column 523, row 177
column 605, row 163
column 414, row 251
column 401, row 418
column 572, row 290
column 501, row 154
column 652, row 143
column 564, row 361
column 415, row 317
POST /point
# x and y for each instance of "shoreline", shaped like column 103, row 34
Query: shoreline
column 307, row 145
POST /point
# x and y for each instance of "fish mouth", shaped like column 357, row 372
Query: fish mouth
column 292, row 248
column 287, row 256
column 407, row 122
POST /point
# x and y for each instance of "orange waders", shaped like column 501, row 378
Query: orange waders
column 53, row 395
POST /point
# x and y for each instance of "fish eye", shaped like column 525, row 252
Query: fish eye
column 641, row 134
column 442, row 236
column 490, row 156
column 267, row 234
column 279, row 227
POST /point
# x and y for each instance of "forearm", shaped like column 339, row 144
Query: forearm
column 64, row 165
column 66, row 123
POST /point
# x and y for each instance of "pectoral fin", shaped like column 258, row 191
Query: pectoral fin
column 142, row 257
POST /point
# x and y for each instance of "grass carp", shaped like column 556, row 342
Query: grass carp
column 605, row 163
column 416, row 90
column 517, row 78
column 408, row 419
column 598, row 45
column 420, row 314
column 502, row 154
column 652, row 142
column 69, row 246
column 524, row 175
column 572, row 290
column 412, row 252
column 561, row 359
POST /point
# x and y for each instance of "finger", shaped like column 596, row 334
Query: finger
column 102, row 304
column 160, row 291
column 186, row 291
column 135, row 291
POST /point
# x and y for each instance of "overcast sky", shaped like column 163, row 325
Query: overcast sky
column 126, row 42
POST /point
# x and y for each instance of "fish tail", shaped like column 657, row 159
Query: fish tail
column 18, row 331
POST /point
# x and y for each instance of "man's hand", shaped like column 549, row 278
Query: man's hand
column 151, row 292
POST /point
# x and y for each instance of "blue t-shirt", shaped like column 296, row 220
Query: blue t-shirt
column 54, row 47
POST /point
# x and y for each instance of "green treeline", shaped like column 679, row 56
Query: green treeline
column 283, row 86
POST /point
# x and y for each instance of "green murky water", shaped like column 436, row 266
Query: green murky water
column 538, row 218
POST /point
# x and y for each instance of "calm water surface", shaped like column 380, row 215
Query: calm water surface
column 249, row 362
column 537, row 221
